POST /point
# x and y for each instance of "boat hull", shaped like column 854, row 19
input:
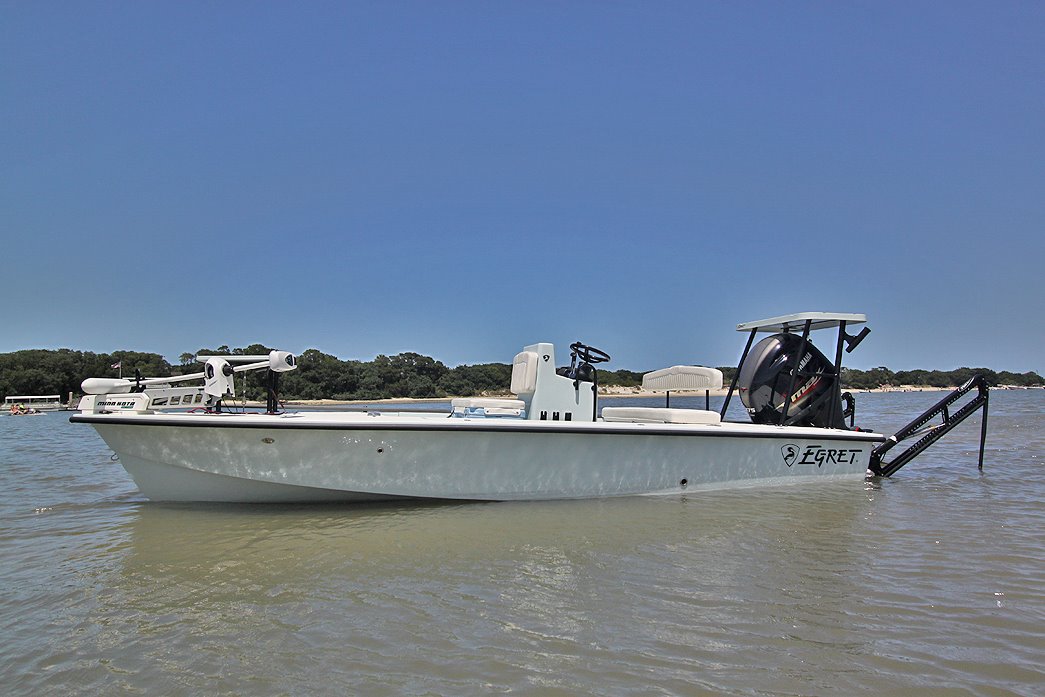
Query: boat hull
column 253, row 458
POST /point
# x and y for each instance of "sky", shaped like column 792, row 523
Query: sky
column 461, row 179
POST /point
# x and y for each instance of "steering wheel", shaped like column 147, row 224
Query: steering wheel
column 589, row 354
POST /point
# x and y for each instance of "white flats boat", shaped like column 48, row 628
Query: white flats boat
column 549, row 442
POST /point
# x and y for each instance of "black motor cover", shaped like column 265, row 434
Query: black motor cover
column 766, row 375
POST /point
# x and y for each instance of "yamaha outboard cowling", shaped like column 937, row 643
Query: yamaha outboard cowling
column 766, row 376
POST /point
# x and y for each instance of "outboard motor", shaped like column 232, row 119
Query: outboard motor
column 766, row 377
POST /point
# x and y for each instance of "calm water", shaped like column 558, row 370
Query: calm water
column 932, row 581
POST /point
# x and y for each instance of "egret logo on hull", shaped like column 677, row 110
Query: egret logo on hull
column 818, row 455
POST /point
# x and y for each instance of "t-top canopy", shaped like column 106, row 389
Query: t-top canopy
column 785, row 323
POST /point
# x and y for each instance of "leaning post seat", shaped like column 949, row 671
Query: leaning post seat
column 682, row 377
column 677, row 378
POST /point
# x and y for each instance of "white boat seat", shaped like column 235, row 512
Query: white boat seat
column 524, row 372
column 683, row 377
column 484, row 407
column 660, row 415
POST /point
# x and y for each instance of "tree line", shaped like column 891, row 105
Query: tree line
column 405, row 375
column 883, row 377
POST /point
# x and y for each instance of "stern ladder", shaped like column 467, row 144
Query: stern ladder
column 929, row 434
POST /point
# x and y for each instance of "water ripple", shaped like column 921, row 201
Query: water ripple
column 929, row 582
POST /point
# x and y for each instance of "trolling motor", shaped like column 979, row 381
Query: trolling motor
column 218, row 375
column 145, row 395
column 279, row 362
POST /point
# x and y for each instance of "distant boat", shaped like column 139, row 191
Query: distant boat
column 21, row 405
column 549, row 442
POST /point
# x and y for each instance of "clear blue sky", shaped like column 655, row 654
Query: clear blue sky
column 462, row 178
